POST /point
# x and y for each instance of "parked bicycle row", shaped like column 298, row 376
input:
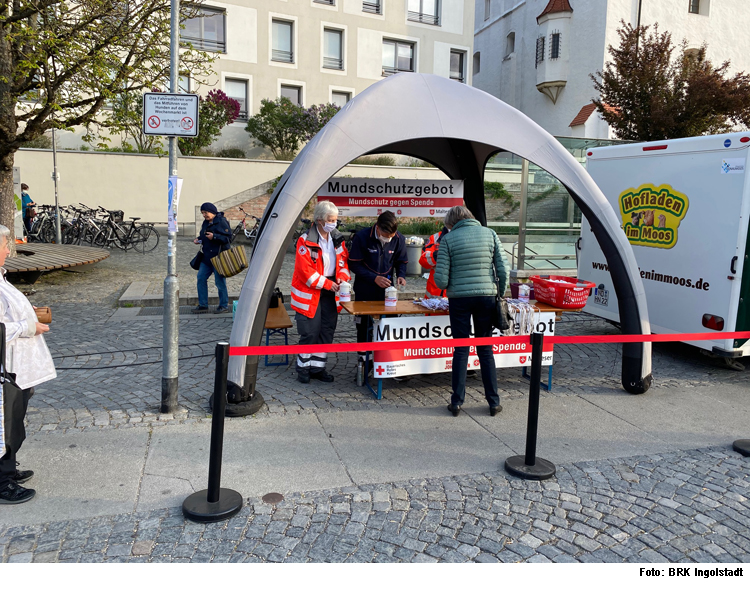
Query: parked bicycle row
column 93, row 227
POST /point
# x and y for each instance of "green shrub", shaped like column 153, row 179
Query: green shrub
column 231, row 153
column 375, row 161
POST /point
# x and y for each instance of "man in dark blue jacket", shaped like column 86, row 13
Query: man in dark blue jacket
column 378, row 259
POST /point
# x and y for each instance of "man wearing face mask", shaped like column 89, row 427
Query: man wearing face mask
column 320, row 265
column 378, row 259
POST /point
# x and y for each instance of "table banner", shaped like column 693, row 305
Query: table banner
column 438, row 358
column 404, row 197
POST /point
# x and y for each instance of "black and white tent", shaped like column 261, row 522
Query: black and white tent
column 457, row 128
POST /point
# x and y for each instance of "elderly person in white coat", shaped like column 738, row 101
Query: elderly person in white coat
column 29, row 359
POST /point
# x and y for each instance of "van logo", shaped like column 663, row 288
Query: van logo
column 733, row 166
column 651, row 215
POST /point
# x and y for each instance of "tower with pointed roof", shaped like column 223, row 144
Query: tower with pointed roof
column 552, row 56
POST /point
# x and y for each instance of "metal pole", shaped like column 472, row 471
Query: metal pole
column 215, row 503
column 522, row 214
column 170, row 337
column 217, row 422
column 58, row 237
column 528, row 466
column 532, row 423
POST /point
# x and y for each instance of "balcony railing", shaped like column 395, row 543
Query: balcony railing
column 205, row 44
column 421, row 17
column 277, row 55
column 329, row 2
column 333, row 63
column 372, row 7
column 390, row 71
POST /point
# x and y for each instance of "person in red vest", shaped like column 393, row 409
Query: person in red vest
column 428, row 260
column 320, row 265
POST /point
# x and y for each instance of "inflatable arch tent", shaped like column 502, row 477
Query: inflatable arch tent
column 457, row 128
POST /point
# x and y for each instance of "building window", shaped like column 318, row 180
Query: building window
column 554, row 46
column 340, row 98
column 458, row 71
column 424, row 11
column 183, row 84
column 293, row 93
column 487, row 4
column 510, row 44
column 206, row 32
column 282, row 48
column 373, row 7
column 398, row 56
column 329, row 2
column 539, row 50
column 237, row 90
column 477, row 62
column 694, row 7
column 333, row 54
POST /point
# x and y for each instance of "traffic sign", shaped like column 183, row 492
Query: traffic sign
column 170, row 114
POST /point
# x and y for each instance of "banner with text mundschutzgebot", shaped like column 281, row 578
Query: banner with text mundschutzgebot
column 404, row 197
column 405, row 361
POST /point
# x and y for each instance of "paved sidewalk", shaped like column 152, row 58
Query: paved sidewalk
column 640, row 478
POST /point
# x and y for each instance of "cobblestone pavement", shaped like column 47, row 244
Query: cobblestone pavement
column 109, row 371
column 679, row 507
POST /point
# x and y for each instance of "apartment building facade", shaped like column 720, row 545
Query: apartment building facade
column 537, row 55
column 320, row 51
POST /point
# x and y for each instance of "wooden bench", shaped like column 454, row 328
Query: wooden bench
column 35, row 258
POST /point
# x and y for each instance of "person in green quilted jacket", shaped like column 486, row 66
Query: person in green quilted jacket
column 470, row 265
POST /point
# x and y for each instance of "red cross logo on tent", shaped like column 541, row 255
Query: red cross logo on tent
column 380, row 371
column 154, row 122
column 187, row 123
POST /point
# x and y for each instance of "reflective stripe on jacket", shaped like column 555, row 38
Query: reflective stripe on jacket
column 308, row 278
column 428, row 260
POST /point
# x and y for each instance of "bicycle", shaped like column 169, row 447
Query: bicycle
column 250, row 233
column 302, row 228
column 143, row 238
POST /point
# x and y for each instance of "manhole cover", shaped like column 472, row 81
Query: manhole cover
column 273, row 498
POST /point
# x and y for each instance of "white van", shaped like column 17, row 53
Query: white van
column 684, row 206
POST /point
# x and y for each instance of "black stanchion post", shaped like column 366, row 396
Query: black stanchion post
column 215, row 503
column 742, row 446
column 529, row 466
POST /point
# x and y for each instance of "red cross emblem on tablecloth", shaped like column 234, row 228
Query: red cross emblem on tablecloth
column 380, row 371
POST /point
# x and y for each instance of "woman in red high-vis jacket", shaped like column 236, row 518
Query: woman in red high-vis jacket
column 320, row 265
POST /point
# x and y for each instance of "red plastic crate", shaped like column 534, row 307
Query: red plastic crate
column 571, row 293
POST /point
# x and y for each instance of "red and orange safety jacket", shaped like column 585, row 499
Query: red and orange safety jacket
column 308, row 278
column 429, row 259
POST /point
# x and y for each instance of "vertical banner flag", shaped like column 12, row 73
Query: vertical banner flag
column 175, row 187
column 411, row 360
column 404, row 197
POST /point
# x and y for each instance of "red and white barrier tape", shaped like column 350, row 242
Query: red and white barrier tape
column 475, row 342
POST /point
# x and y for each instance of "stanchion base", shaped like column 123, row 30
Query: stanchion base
column 242, row 409
column 541, row 470
column 197, row 508
column 742, row 446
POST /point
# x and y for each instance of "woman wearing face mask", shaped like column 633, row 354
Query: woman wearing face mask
column 320, row 265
